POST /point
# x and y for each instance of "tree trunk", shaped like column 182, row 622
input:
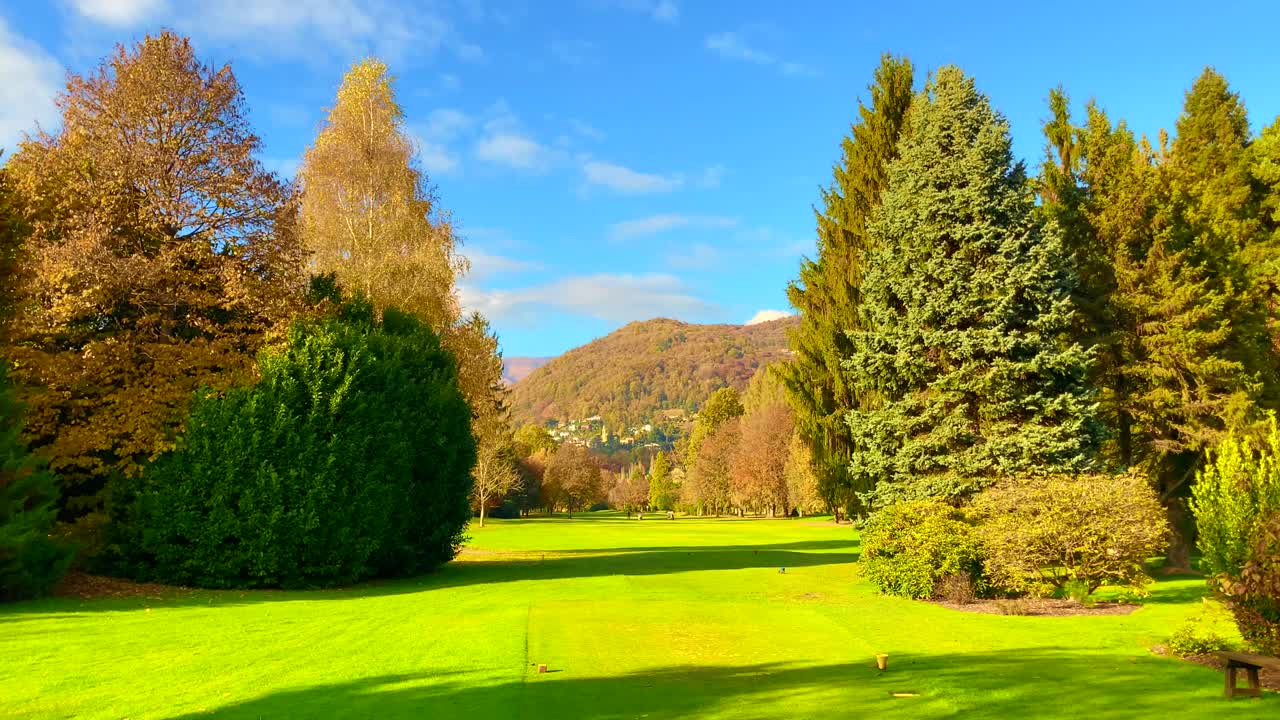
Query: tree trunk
column 482, row 513
column 1181, row 535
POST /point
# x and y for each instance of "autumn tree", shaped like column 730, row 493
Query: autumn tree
column 575, row 477
column 495, row 472
column 828, row 292
column 368, row 213
column 759, row 461
column 531, row 438
column 13, row 233
column 966, row 316
column 723, row 405
column 802, row 482
column 708, row 485
column 160, row 256
column 631, row 490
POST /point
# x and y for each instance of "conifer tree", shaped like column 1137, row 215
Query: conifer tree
column 662, row 491
column 828, row 290
column 1198, row 301
column 965, row 363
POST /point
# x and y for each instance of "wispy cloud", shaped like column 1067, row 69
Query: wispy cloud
column 666, row 11
column 607, row 296
column 304, row 29
column 513, row 150
column 698, row 256
column 627, row 181
column 29, row 78
column 485, row 265
column 120, row 13
column 735, row 46
column 655, row 224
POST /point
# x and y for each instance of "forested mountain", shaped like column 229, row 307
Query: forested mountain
column 647, row 366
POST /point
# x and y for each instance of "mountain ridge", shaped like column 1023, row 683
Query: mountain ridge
column 647, row 366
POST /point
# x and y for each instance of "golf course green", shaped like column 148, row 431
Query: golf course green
column 685, row 618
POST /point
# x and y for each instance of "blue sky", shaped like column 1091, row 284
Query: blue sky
column 615, row 160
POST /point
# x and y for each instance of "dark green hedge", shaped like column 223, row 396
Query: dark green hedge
column 350, row 459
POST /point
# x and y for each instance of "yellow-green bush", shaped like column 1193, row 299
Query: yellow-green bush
column 909, row 548
column 1056, row 529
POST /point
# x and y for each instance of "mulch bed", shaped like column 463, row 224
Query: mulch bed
column 1270, row 679
column 93, row 587
column 1039, row 607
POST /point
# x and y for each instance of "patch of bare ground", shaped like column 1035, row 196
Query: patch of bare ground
column 1269, row 678
column 92, row 587
column 1039, row 607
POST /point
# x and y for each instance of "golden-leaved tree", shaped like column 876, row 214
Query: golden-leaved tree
column 370, row 217
column 159, row 258
column 368, row 214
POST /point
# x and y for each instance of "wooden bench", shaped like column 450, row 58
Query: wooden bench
column 1251, row 664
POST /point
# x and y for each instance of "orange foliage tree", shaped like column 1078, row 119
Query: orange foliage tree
column 160, row 257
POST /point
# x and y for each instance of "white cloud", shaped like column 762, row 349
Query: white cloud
column 446, row 123
column 436, row 158
column 625, row 180
column 612, row 297
column 449, row 82
column 120, row 13
column 734, row 46
column 655, row 224
column 307, row 29
column 765, row 316
column 29, row 79
column 514, row 150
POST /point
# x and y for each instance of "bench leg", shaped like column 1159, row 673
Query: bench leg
column 1255, row 685
column 1231, row 681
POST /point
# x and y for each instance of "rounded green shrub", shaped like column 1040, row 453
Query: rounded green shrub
column 349, row 459
column 908, row 549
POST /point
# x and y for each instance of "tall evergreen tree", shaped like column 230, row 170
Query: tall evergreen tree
column 965, row 364
column 662, row 490
column 1198, row 300
column 1174, row 260
column 828, row 291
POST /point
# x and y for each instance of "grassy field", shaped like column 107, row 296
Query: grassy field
column 652, row 619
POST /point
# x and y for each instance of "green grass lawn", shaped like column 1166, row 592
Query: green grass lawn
column 651, row 619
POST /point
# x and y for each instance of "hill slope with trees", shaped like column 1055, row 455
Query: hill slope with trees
column 644, row 367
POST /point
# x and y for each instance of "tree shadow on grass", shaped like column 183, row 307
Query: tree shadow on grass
column 511, row 567
column 1026, row 683
column 1177, row 590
